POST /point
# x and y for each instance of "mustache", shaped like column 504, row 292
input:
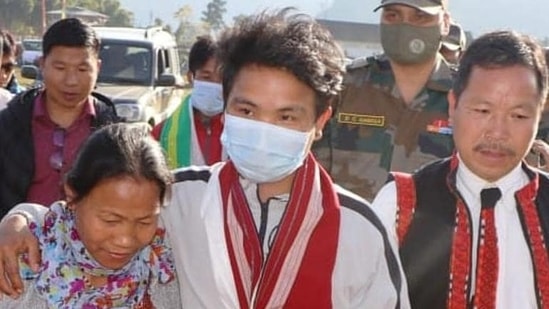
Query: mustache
column 494, row 146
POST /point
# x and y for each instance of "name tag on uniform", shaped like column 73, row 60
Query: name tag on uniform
column 361, row 120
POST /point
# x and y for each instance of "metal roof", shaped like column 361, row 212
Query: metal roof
column 153, row 35
column 352, row 31
column 78, row 12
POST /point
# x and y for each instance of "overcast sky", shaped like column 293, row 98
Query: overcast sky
column 478, row 16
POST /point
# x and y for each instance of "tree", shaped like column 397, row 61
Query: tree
column 213, row 15
column 187, row 31
column 158, row 22
column 239, row 18
column 24, row 17
column 15, row 14
column 118, row 16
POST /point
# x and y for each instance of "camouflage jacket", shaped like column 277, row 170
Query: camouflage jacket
column 373, row 131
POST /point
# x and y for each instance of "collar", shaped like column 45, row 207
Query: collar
column 440, row 80
column 442, row 75
column 509, row 184
column 212, row 119
column 40, row 112
column 252, row 193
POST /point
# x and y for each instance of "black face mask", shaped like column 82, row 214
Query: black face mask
column 407, row 44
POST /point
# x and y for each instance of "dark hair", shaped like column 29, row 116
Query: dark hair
column 9, row 46
column 202, row 50
column 118, row 150
column 295, row 43
column 503, row 49
column 70, row 32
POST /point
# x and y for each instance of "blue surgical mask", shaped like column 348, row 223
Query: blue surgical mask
column 262, row 152
column 207, row 97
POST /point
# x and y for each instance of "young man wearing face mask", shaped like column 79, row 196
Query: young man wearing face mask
column 393, row 115
column 268, row 228
column 190, row 136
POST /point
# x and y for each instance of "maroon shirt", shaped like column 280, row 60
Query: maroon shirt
column 46, row 186
column 209, row 137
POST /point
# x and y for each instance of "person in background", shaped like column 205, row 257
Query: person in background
column 10, row 52
column 5, row 95
column 472, row 228
column 115, row 62
column 268, row 228
column 393, row 113
column 539, row 154
column 102, row 246
column 41, row 129
column 453, row 44
column 190, row 136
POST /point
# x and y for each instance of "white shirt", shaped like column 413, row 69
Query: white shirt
column 360, row 279
column 5, row 97
column 516, row 287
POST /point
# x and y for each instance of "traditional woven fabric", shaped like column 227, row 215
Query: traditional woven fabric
column 435, row 184
column 309, row 229
column 487, row 261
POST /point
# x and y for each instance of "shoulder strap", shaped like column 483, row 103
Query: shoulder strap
column 406, row 203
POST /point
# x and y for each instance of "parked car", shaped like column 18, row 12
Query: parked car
column 32, row 51
column 140, row 72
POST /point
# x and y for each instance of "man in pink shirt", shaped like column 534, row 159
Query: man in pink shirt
column 41, row 129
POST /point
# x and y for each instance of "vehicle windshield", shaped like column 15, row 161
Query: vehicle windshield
column 125, row 64
column 32, row 45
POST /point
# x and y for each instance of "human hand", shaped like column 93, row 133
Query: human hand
column 15, row 239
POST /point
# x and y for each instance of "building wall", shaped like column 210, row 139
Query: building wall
column 360, row 49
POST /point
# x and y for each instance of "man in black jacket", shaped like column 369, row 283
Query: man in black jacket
column 41, row 129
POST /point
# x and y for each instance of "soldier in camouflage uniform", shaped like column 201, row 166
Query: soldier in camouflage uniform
column 387, row 120
column 454, row 44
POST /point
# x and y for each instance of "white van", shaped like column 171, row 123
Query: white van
column 32, row 51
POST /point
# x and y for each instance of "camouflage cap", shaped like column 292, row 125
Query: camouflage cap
column 428, row 6
column 455, row 39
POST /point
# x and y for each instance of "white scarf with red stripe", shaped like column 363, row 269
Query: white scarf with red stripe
column 298, row 270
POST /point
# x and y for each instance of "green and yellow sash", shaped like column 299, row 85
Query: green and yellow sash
column 176, row 135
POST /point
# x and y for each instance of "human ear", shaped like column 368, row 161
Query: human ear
column 321, row 122
column 70, row 195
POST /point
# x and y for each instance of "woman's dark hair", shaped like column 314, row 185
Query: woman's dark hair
column 295, row 43
column 119, row 150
